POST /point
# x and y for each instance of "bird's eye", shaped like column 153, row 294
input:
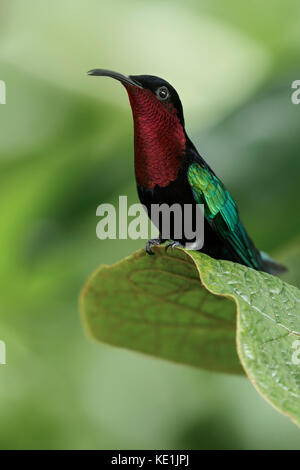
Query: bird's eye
column 162, row 93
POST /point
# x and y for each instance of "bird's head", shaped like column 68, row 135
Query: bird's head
column 147, row 92
column 158, row 122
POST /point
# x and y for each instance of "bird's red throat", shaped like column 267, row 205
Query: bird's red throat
column 159, row 139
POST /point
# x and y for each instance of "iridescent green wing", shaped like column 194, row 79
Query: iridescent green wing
column 222, row 214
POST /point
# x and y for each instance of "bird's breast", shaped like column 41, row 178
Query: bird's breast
column 159, row 147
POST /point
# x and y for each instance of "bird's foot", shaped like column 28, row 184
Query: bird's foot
column 172, row 245
column 153, row 242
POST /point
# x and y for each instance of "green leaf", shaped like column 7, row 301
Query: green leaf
column 182, row 306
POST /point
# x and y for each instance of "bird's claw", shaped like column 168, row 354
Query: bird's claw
column 172, row 245
column 153, row 242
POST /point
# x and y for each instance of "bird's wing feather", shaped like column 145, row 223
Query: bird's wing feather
column 221, row 213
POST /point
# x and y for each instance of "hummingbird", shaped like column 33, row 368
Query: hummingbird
column 169, row 170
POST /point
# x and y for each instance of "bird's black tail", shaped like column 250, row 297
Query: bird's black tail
column 271, row 266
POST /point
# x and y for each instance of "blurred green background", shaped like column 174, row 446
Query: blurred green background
column 66, row 146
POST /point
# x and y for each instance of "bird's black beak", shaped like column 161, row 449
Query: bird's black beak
column 115, row 75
